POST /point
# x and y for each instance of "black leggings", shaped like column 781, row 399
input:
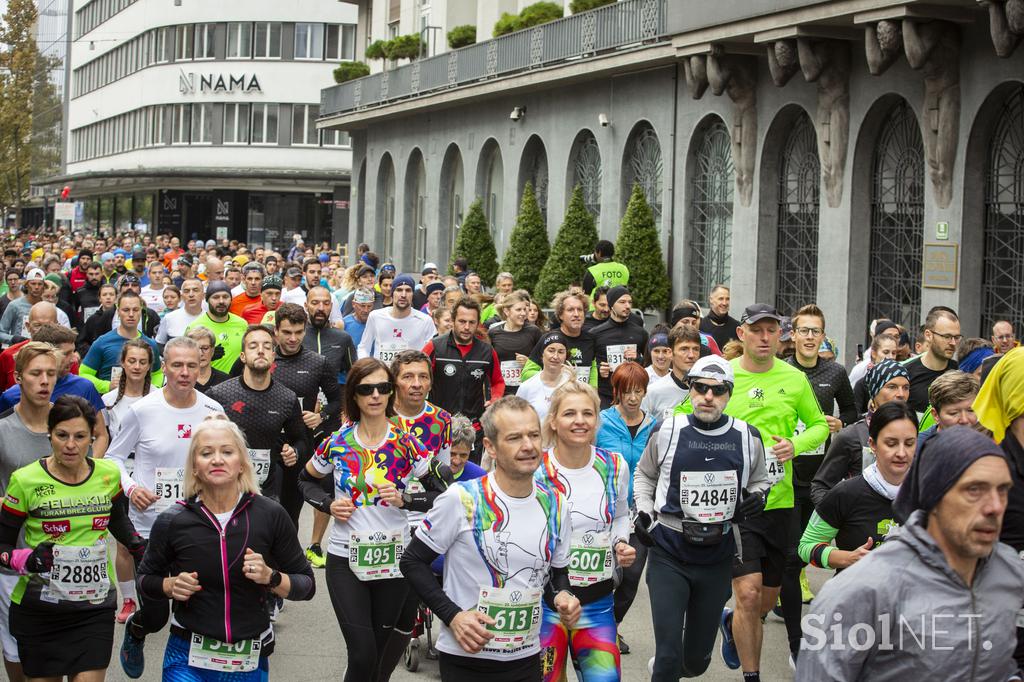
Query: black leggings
column 367, row 613
column 690, row 596
column 151, row 617
column 625, row 592
column 791, row 596
column 472, row 669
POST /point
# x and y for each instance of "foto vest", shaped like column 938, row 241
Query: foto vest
column 608, row 274
column 459, row 381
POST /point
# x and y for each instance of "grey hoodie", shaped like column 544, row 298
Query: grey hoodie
column 925, row 622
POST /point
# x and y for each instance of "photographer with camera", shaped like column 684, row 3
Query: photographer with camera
column 602, row 271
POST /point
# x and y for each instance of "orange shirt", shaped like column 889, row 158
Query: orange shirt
column 242, row 301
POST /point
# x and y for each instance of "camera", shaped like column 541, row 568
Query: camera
column 587, row 258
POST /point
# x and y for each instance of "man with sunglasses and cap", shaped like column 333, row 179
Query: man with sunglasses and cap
column 772, row 396
column 700, row 475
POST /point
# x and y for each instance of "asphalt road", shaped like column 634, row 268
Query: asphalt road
column 310, row 647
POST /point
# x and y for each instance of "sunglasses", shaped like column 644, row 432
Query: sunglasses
column 383, row 388
column 701, row 388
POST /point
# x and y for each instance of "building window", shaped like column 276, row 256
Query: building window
column 183, row 42
column 796, row 271
column 335, row 138
column 586, row 172
column 156, row 126
column 264, row 124
column 236, row 124
column 393, row 30
column 240, row 40
column 644, row 168
column 304, row 124
column 341, row 42
column 1002, row 279
column 711, row 213
column 309, row 41
column 897, row 220
column 163, row 39
column 202, row 123
column 181, row 123
column 204, row 41
column 267, row 41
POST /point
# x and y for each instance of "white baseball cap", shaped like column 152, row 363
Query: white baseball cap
column 712, row 367
column 35, row 274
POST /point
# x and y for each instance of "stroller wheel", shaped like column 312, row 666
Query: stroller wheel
column 412, row 655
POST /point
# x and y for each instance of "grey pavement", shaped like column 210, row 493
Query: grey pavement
column 310, row 647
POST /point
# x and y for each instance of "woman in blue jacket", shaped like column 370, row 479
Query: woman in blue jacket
column 625, row 429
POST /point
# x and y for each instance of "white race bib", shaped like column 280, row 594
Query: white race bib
column 375, row 555
column 388, row 351
column 89, row 312
column 79, row 573
column 590, row 558
column 583, row 374
column 776, row 469
column 168, row 486
column 211, row 654
column 867, row 458
column 617, row 354
column 512, row 372
column 516, row 613
column 115, row 375
column 261, row 464
column 708, row 496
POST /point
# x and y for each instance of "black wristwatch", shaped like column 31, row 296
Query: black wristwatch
column 275, row 579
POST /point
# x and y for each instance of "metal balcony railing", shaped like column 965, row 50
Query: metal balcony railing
column 613, row 27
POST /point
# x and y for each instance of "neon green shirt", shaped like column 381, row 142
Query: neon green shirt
column 228, row 335
column 54, row 511
column 773, row 402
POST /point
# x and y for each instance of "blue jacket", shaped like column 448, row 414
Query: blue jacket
column 614, row 435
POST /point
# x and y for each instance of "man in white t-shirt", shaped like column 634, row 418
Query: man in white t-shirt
column 505, row 539
column 158, row 429
column 391, row 330
column 153, row 293
column 665, row 393
column 177, row 321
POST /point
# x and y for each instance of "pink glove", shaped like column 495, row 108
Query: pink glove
column 19, row 558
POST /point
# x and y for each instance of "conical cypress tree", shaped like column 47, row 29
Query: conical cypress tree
column 639, row 249
column 577, row 236
column 528, row 247
column 474, row 243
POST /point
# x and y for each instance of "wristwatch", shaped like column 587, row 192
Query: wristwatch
column 275, row 579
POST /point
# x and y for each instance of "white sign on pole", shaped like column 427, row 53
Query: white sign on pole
column 64, row 210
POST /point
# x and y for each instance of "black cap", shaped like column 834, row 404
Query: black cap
column 128, row 278
column 271, row 282
column 760, row 311
column 186, row 260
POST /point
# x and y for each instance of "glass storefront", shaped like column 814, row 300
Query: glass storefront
column 275, row 217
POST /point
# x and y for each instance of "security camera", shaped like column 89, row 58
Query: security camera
column 603, row 120
column 518, row 113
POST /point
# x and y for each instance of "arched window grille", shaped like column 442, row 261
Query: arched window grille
column 796, row 282
column 644, row 167
column 586, row 172
column 710, row 245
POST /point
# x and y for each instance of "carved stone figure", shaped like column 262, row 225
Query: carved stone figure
column 883, row 45
column 827, row 63
column 934, row 48
column 695, row 69
column 782, row 61
column 1006, row 24
column 737, row 77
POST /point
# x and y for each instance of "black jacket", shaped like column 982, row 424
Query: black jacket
column 230, row 607
column 611, row 333
column 459, row 382
column 843, row 459
column 308, row 374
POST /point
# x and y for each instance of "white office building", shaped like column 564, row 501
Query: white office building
column 198, row 118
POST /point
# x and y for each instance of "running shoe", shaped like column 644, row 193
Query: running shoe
column 128, row 607
column 729, row 653
column 316, row 556
column 623, row 647
column 805, row 588
column 650, row 666
column 133, row 655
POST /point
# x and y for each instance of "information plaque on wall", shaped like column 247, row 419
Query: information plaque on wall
column 940, row 266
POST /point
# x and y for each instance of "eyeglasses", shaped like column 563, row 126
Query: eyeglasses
column 701, row 388
column 383, row 388
column 1005, row 337
column 809, row 331
column 949, row 337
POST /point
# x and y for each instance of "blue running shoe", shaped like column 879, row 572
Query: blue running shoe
column 729, row 653
column 133, row 655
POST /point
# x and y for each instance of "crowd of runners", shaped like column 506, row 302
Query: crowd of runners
column 513, row 467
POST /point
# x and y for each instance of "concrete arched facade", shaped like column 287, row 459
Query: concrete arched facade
column 451, row 204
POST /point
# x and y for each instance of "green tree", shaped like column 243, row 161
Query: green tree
column 540, row 13
column 409, row 46
column 347, row 71
column 576, row 236
column 18, row 61
column 639, row 249
column 377, row 49
column 528, row 245
column 507, row 23
column 577, row 6
column 461, row 36
column 475, row 244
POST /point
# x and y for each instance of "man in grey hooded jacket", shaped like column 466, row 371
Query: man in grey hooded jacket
column 940, row 600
